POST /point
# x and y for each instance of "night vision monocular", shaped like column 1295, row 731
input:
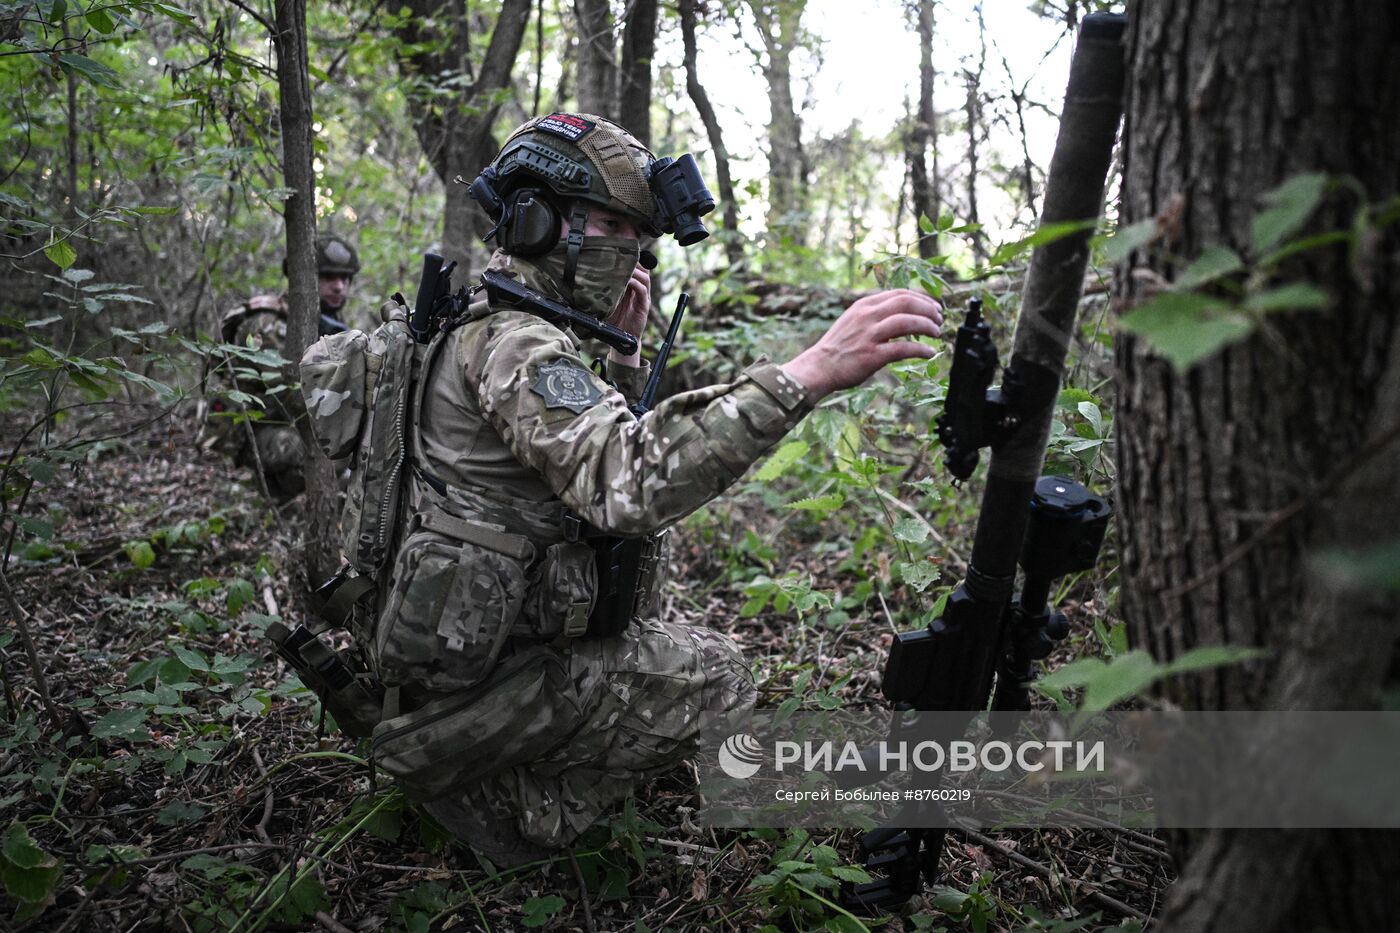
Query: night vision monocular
column 681, row 198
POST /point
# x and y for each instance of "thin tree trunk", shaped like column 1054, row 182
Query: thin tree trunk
column 1234, row 473
column 638, row 47
column 457, row 138
column 597, row 62
column 299, row 212
column 729, row 205
column 973, row 111
column 923, row 190
column 1018, row 100
column 779, row 25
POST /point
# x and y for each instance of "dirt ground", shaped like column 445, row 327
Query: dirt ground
column 190, row 808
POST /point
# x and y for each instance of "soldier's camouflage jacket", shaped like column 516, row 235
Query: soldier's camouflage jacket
column 509, row 711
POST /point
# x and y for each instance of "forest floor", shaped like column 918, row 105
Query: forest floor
column 190, row 783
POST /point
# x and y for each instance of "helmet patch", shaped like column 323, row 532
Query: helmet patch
column 567, row 125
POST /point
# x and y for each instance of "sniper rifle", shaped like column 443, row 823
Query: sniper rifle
column 1049, row 525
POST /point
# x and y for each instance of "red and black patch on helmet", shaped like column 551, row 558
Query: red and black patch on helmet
column 566, row 125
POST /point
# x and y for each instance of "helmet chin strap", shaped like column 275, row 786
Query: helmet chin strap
column 578, row 219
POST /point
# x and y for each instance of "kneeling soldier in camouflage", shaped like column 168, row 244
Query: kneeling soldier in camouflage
column 515, row 712
column 261, row 322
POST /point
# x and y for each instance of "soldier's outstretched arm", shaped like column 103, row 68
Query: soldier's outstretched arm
column 631, row 476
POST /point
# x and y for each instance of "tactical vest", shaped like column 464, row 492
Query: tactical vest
column 439, row 577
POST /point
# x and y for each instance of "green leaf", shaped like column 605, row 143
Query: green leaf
column 784, row 457
column 28, row 873
column 1127, row 239
column 240, row 594
column 140, row 553
column 60, row 253
column 94, row 71
column 926, row 225
column 1093, row 415
column 819, row 503
column 1289, row 207
column 920, row 574
column 99, row 20
column 38, row 527
column 1209, row 656
column 122, row 724
column 1186, row 327
column 190, row 658
column 20, row 849
column 911, row 529
column 1207, row 267
column 180, row 811
column 538, row 910
column 1296, row 297
column 174, row 12
column 1045, row 235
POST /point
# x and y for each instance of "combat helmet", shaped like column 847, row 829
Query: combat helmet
column 335, row 256
column 556, row 166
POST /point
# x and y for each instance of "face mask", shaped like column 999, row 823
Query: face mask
column 605, row 265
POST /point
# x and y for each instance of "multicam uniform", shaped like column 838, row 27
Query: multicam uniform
column 514, row 432
column 262, row 323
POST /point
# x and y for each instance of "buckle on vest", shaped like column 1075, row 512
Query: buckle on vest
column 576, row 623
column 573, row 527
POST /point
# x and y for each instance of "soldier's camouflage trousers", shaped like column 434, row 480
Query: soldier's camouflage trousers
column 608, row 711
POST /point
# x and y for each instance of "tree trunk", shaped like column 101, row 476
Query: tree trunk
column 779, row 24
column 922, row 135
column 638, row 46
column 597, row 63
column 299, row 212
column 456, row 134
column 729, row 205
column 973, row 110
column 1234, row 473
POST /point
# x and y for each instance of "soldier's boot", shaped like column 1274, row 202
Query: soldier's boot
column 474, row 822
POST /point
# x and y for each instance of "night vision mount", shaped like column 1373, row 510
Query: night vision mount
column 975, row 413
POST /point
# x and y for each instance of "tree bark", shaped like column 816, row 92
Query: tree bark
column 779, row 24
column 597, row 62
column 729, row 205
column 923, row 188
column 973, row 110
column 638, row 47
column 455, row 109
column 1234, row 473
column 299, row 212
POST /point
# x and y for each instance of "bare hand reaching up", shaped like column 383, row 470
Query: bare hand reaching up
column 866, row 338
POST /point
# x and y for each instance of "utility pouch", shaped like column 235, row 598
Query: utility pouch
column 342, row 686
column 455, row 592
column 563, row 589
column 627, row 580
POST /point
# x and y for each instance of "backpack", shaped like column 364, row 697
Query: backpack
column 357, row 389
column 434, row 584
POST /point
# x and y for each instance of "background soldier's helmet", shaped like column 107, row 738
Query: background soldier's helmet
column 335, row 256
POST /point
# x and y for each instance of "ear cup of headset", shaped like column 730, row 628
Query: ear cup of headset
column 533, row 227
